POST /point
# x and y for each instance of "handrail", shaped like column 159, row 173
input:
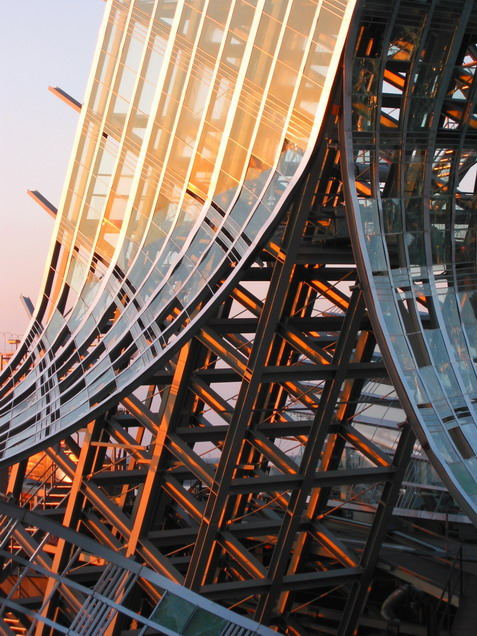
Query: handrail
column 449, row 588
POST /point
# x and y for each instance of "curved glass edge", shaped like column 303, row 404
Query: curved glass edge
column 147, row 221
column 407, row 178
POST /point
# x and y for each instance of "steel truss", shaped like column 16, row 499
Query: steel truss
column 268, row 388
column 228, row 470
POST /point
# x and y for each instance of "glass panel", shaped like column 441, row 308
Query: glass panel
column 204, row 623
column 173, row 612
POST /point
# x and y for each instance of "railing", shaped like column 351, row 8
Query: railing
column 421, row 493
column 92, row 609
column 454, row 586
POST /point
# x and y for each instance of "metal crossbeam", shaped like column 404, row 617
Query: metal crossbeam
column 232, row 468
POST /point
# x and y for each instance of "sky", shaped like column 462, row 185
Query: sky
column 42, row 43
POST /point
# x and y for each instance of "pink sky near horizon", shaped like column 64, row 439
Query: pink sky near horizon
column 42, row 43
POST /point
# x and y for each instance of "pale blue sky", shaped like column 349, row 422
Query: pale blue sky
column 42, row 42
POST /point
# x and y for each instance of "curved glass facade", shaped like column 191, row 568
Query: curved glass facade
column 411, row 163
column 199, row 118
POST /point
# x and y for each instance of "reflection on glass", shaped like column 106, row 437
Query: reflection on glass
column 197, row 123
column 417, row 230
